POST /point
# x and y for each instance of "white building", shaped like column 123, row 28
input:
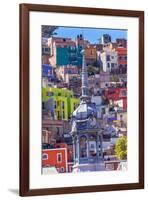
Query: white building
column 109, row 60
column 49, row 170
column 102, row 109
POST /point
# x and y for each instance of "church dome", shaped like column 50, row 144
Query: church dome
column 84, row 111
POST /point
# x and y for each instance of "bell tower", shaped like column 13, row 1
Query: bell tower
column 86, row 131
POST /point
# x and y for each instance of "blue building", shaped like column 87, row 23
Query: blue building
column 47, row 72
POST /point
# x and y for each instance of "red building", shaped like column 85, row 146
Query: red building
column 121, row 42
column 116, row 94
column 122, row 59
column 60, row 157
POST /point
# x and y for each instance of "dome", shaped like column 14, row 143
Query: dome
column 84, row 111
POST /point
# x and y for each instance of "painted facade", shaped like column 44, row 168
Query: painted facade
column 116, row 94
column 63, row 71
column 45, row 51
column 64, row 101
column 109, row 59
column 55, row 158
column 63, row 52
column 60, row 157
column 122, row 59
column 91, row 55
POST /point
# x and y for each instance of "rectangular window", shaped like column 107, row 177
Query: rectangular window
column 92, row 146
column 74, row 106
column 112, row 65
column 125, row 58
column 46, row 49
column 44, row 156
column 108, row 65
column 63, row 114
column 108, row 57
column 55, row 104
column 59, row 158
column 103, row 111
column 63, row 105
column 43, row 105
column 49, row 94
column 58, row 103
column 123, row 93
column 58, row 115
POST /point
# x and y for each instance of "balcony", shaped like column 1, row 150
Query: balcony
column 87, row 125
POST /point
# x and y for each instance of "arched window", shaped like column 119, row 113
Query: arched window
column 83, row 146
column 62, row 169
column 44, row 156
column 92, row 146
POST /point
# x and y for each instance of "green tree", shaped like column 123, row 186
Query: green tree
column 121, row 148
column 92, row 70
column 114, row 78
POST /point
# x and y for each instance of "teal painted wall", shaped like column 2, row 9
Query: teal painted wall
column 62, row 56
column 66, row 55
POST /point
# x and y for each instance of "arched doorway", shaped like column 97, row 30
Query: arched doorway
column 92, row 146
column 83, row 146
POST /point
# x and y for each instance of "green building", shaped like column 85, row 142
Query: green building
column 64, row 102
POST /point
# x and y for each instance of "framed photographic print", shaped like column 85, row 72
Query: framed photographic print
column 81, row 99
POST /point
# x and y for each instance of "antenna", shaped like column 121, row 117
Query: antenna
column 85, row 91
column 83, row 37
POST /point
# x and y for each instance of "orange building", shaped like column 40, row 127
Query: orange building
column 90, row 54
column 60, row 157
column 122, row 59
column 56, row 157
column 121, row 42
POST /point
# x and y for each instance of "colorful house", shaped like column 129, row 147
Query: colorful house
column 62, row 71
column 109, row 60
column 64, row 101
column 121, row 42
column 116, row 94
column 60, row 157
column 91, row 55
column 56, row 157
column 47, row 75
column 122, row 59
column 45, row 51
column 47, row 70
column 63, row 51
